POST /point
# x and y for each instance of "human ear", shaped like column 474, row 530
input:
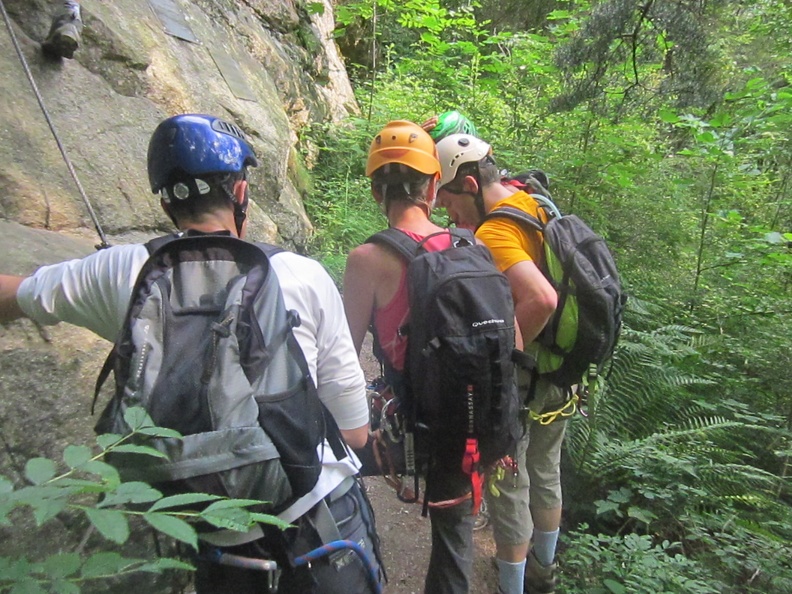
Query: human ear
column 470, row 185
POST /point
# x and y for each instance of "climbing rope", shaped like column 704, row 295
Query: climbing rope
column 15, row 42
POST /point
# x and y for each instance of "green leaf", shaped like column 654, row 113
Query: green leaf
column 46, row 509
column 184, row 499
column 131, row 492
column 269, row 519
column 316, row 8
column 160, row 432
column 107, row 440
column 61, row 565
column 614, row 586
column 64, row 587
column 604, row 507
column 165, row 563
column 27, row 586
column 107, row 472
column 106, row 564
column 229, row 518
column 173, row 527
column 76, row 455
column 668, row 116
column 138, row 449
column 227, row 503
column 137, row 418
column 39, row 470
column 112, row 524
column 640, row 514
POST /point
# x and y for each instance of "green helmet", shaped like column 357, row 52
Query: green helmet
column 452, row 122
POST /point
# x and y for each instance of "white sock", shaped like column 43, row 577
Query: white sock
column 510, row 576
column 544, row 546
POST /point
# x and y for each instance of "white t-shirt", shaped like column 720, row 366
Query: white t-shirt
column 94, row 292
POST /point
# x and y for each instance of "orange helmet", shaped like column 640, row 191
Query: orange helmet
column 404, row 143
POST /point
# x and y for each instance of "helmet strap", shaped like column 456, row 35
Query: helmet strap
column 240, row 206
column 478, row 200
column 166, row 208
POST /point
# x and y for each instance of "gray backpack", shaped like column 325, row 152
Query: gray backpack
column 207, row 349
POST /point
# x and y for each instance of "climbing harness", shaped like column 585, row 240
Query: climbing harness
column 15, row 42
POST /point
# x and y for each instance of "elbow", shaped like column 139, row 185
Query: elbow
column 356, row 438
column 548, row 303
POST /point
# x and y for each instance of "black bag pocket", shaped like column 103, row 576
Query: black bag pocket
column 294, row 420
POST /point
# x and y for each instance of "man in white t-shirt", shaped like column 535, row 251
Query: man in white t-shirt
column 197, row 163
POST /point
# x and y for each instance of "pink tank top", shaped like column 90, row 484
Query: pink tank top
column 389, row 318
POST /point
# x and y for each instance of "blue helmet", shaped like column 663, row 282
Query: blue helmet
column 191, row 146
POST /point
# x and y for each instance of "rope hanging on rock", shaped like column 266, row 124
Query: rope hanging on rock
column 15, row 42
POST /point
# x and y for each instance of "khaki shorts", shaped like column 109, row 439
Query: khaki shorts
column 539, row 475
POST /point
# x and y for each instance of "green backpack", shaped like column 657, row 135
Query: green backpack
column 584, row 329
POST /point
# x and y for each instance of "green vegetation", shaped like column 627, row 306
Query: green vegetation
column 666, row 125
column 92, row 487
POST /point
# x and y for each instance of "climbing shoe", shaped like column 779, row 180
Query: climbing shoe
column 540, row 579
column 65, row 32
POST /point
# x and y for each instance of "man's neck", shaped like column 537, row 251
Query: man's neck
column 494, row 193
column 210, row 224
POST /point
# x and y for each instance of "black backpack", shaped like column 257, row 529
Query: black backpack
column 458, row 388
column 584, row 329
column 207, row 349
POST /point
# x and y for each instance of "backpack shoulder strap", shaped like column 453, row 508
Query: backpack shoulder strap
column 153, row 245
column 515, row 214
column 270, row 250
column 461, row 236
column 399, row 241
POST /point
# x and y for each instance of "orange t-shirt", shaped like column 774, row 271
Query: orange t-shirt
column 508, row 240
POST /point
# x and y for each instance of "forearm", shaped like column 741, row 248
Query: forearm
column 9, row 307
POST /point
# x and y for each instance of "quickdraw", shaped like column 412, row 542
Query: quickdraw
column 498, row 473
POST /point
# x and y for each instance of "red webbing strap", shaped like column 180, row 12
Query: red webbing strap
column 470, row 465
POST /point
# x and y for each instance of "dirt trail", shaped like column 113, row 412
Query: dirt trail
column 406, row 536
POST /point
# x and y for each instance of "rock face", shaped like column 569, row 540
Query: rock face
column 270, row 66
column 130, row 73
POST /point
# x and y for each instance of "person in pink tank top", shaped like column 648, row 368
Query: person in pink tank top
column 404, row 171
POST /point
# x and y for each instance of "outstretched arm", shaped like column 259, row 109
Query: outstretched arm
column 9, row 307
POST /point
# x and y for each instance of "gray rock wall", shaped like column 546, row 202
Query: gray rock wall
column 127, row 76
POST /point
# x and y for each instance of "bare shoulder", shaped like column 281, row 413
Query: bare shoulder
column 372, row 259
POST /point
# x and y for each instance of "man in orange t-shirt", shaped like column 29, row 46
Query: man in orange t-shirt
column 528, row 515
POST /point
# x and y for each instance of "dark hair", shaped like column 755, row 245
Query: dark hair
column 390, row 181
column 219, row 195
column 485, row 170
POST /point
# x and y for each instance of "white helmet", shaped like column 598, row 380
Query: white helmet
column 457, row 149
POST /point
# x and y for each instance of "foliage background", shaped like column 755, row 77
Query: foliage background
column 666, row 125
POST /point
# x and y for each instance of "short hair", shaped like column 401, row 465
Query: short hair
column 398, row 182
column 217, row 193
column 485, row 170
